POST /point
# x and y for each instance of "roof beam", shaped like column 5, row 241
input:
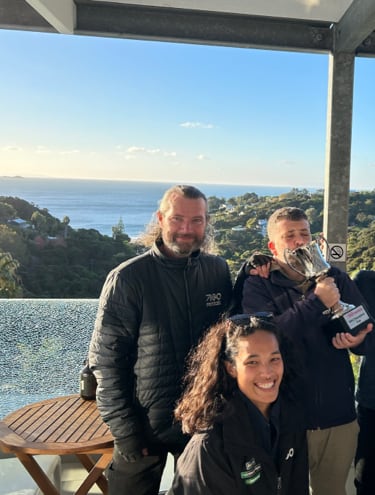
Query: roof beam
column 353, row 34
column 16, row 14
column 355, row 26
column 202, row 27
column 61, row 14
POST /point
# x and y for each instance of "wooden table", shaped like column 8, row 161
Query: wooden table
column 63, row 425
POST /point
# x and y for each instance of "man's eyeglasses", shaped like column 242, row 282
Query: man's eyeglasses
column 245, row 319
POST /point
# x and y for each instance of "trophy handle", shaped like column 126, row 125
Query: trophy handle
column 323, row 244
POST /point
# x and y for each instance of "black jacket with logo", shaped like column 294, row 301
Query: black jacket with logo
column 152, row 310
column 229, row 457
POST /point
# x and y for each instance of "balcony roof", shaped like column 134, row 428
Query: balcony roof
column 301, row 25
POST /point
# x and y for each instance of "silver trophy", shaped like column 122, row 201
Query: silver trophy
column 310, row 263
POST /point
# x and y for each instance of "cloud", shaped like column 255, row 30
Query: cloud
column 194, row 125
column 135, row 149
column 201, row 156
column 42, row 149
column 132, row 151
column 11, row 148
column 69, row 152
column 287, row 163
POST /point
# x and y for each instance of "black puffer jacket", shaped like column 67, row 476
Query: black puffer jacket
column 228, row 459
column 152, row 310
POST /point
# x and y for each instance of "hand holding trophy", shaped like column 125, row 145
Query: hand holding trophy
column 310, row 263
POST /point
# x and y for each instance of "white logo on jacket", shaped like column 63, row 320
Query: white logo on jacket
column 290, row 454
column 213, row 299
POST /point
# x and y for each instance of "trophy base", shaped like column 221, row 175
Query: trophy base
column 353, row 320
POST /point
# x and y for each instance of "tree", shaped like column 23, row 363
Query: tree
column 39, row 221
column 10, row 284
column 215, row 203
column 65, row 221
column 118, row 231
column 12, row 241
column 312, row 215
column 7, row 212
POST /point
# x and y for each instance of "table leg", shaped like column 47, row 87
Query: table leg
column 95, row 471
column 37, row 473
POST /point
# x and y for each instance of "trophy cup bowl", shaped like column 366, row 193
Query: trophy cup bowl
column 310, row 263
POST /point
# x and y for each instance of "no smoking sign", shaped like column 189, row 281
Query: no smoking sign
column 336, row 252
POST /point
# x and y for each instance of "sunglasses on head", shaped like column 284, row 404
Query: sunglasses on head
column 244, row 319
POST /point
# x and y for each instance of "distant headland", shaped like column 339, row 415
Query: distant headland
column 11, row 177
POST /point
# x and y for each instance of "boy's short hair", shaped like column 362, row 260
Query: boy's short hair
column 290, row 213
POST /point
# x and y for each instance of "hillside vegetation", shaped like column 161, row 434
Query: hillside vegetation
column 247, row 214
column 42, row 256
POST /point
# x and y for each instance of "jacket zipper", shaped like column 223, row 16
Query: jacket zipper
column 188, row 264
column 278, row 488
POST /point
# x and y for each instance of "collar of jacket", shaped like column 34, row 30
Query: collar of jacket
column 236, row 416
column 277, row 277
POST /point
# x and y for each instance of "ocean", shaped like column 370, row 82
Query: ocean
column 99, row 204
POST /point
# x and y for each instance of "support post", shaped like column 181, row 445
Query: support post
column 338, row 152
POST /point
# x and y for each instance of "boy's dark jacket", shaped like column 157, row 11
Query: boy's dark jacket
column 328, row 374
column 220, row 460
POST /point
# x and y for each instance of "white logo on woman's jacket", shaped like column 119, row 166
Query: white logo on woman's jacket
column 290, row 454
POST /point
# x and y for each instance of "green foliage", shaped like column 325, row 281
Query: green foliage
column 240, row 222
column 58, row 261
column 13, row 241
column 53, row 259
column 39, row 221
column 7, row 212
column 9, row 280
column 118, row 231
column 361, row 246
column 251, row 212
column 356, row 364
column 23, row 208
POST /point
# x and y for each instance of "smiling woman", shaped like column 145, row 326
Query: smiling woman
column 258, row 369
column 248, row 436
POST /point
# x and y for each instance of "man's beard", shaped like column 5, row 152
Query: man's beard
column 186, row 248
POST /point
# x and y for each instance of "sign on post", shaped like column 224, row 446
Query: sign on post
column 336, row 252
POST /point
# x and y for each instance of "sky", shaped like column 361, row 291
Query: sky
column 103, row 108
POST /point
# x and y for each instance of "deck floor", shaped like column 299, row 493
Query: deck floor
column 73, row 474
